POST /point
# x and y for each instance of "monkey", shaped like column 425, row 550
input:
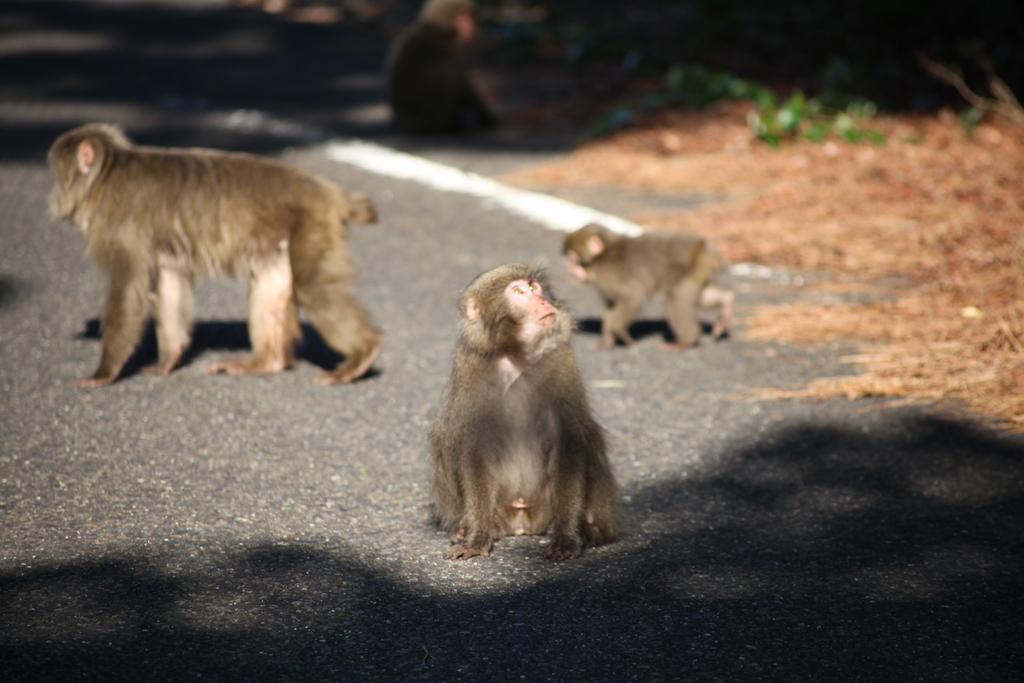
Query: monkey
column 628, row 271
column 514, row 448
column 428, row 83
column 155, row 218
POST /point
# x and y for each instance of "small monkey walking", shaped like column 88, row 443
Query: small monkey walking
column 515, row 449
column 628, row 271
column 155, row 218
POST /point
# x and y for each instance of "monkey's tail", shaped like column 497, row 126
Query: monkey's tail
column 355, row 207
column 717, row 261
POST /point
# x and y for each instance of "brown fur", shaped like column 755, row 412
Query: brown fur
column 515, row 449
column 428, row 80
column 628, row 271
column 155, row 218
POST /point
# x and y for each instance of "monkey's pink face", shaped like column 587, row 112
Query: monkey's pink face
column 572, row 262
column 527, row 297
column 465, row 27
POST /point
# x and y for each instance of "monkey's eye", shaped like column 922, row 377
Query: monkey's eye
column 518, row 290
column 535, row 287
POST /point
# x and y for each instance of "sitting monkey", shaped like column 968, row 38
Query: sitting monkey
column 628, row 271
column 429, row 88
column 515, row 447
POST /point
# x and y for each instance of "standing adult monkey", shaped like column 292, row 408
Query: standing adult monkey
column 515, row 449
column 428, row 80
column 154, row 218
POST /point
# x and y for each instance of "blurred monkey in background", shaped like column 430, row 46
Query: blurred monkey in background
column 428, row 72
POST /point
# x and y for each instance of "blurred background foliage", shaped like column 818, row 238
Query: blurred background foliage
column 813, row 68
column 833, row 50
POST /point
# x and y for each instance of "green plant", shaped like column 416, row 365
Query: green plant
column 800, row 117
column 797, row 117
column 970, row 118
column 699, row 86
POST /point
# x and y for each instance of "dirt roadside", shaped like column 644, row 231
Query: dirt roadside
column 928, row 229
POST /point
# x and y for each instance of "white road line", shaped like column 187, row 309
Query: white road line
column 551, row 212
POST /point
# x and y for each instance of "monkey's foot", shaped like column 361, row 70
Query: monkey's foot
column 719, row 332
column 459, row 536
column 597, row 536
column 95, row 382
column 607, row 344
column 250, row 365
column 564, row 549
column 352, row 369
column 461, row 551
column 162, row 368
column 677, row 346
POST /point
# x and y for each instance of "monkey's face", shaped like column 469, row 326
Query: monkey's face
column 66, row 162
column 526, row 298
column 510, row 311
column 576, row 269
column 539, row 325
column 465, row 27
column 581, row 249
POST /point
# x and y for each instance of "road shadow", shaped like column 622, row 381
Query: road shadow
column 203, row 75
column 182, row 62
column 639, row 329
column 218, row 335
column 816, row 553
column 11, row 289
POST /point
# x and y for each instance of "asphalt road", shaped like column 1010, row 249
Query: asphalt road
column 211, row 527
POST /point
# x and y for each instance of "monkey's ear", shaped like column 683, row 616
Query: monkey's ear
column 595, row 245
column 472, row 310
column 86, row 156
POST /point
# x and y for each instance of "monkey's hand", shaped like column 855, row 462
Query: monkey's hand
column 608, row 339
column 564, row 548
column 597, row 536
column 462, row 551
